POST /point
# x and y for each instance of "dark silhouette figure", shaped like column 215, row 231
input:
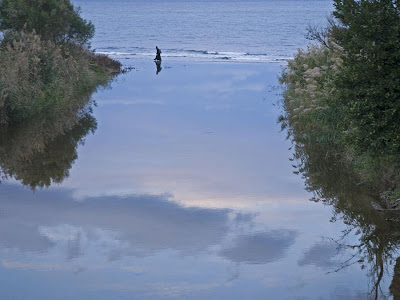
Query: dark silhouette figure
column 158, row 54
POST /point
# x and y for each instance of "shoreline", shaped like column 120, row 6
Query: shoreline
column 195, row 60
column 131, row 65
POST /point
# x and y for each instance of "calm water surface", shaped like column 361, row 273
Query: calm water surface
column 178, row 186
column 178, row 183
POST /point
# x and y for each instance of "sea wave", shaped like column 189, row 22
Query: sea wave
column 193, row 55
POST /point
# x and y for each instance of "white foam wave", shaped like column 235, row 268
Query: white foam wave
column 196, row 55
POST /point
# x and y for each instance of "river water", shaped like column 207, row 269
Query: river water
column 177, row 183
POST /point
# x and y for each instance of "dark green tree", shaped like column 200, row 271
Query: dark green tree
column 369, row 82
column 56, row 20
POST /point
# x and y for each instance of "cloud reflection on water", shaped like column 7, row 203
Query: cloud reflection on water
column 261, row 247
column 126, row 235
column 321, row 255
column 146, row 223
column 135, row 225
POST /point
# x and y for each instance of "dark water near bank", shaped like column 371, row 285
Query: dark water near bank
column 179, row 184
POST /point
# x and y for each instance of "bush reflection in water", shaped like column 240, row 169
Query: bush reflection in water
column 333, row 181
column 41, row 151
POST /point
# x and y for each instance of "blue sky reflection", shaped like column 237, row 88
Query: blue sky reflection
column 184, row 191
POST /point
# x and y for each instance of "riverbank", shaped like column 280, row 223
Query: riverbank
column 316, row 115
column 37, row 75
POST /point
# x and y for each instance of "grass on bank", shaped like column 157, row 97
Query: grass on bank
column 313, row 115
column 44, row 58
column 36, row 74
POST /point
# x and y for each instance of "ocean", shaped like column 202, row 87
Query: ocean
column 241, row 31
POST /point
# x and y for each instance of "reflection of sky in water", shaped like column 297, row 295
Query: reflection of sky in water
column 185, row 190
column 195, row 133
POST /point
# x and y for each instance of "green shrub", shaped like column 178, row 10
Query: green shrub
column 36, row 74
column 369, row 83
column 44, row 61
column 343, row 95
column 55, row 20
column 309, row 95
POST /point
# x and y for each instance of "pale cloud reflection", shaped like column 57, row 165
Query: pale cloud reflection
column 140, row 224
column 40, row 266
column 134, row 225
column 22, row 235
column 74, row 248
column 260, row 248
column 132, row 101
column 177, row 289
column 322, row 255
column 222, row 82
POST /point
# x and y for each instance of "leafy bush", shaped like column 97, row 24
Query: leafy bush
column 310, row 97
column 343, row 96
column 368, row 84
column 55, row 20
column 36, row 74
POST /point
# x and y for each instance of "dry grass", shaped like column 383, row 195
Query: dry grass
column 37, row 74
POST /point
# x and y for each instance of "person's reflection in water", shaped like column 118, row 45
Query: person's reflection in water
column 158, row 65
column 157, row 60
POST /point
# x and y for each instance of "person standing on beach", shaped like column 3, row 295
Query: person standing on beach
column 158, row 54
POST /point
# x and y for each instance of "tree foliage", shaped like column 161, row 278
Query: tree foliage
column 365, row 36
column 44, row 60
column 36, row 74
column 369, row 82
column 345, row 92
column 55, row 20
